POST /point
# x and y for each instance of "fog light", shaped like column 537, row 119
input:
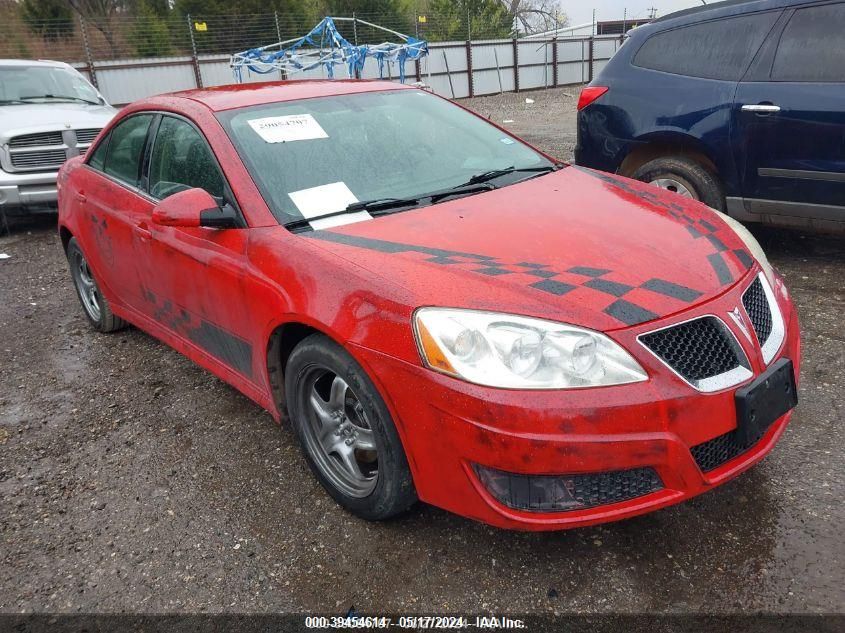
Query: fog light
column 559, row 493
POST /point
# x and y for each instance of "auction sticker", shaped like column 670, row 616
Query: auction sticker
column 293, row 127
column 325, row 199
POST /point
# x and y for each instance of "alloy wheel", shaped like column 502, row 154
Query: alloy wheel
column 337, row 432
column 86, row 286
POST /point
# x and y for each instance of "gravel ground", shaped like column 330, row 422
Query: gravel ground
column 131, row 480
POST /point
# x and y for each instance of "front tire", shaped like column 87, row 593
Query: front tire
column 685, row 177
column 95, row 305
column 346, row 432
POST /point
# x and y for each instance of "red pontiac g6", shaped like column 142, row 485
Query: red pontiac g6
column 443, row 312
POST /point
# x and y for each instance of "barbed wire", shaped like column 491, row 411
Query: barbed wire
column 124, row 36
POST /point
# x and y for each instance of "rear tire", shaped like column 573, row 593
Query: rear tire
column 684, row 176
column 346, row 432
column 94, row 304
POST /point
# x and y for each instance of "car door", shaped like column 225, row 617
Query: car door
column 118, row 211
column 199, row 291
column 790, row 118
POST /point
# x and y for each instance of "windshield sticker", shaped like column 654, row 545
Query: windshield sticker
column 507, row 141
column 319, row 201
column 294, row 127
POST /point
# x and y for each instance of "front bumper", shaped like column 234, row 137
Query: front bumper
column 448, row 426
column 28, row 189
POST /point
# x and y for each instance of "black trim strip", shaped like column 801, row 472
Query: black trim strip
column 801, row 174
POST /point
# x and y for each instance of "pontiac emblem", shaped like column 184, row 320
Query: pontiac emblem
column 736, row 317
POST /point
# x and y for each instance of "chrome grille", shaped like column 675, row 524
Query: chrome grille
column 702, row 351
column 85, row 137
column 47, row 159
column 757, row 306
column 35, row 140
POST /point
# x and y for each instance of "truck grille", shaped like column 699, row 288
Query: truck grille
column 47, row 151
column 757, row 306
column 36, row 140
column 86, row 137
column 702, row 351
column 42, row 159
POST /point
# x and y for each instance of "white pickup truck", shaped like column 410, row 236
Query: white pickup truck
column 48, row 113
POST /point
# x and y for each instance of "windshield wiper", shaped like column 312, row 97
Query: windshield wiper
column 375, row 208
column 384, row 206
column 487, row 176
column 60, row 97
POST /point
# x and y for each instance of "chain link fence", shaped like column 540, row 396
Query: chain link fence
column 132, row 58
column 144, row 36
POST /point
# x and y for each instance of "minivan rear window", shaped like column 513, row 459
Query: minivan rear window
column 812, row 47
column 719, row 49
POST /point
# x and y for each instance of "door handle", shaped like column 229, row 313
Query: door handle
column 142, row 230
column 81, row 196
column 761, row 108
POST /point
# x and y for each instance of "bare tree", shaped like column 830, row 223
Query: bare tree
column 536, row 16
column 99, row 13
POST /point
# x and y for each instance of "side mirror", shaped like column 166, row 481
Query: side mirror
column 192, row 208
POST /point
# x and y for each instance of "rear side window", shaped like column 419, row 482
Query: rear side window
column 181, row 159
column 812, row 47
column 125, row 149
column 721, row 49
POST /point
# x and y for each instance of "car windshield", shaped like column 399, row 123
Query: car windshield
column 319, row 155
column 43, row 84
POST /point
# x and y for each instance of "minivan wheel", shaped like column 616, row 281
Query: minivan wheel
column 685, row 177
column 346, row 432
column 95, row 305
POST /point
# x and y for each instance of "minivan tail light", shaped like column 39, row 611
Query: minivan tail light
column 590, row 94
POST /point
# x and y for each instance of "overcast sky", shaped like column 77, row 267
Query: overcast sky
column 581, row 11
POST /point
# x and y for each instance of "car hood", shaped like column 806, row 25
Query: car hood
column 576, row 246
column 42, row 117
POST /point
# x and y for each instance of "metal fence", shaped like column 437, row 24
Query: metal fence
column 452, row 69
column 123, row 36
column 129, row 61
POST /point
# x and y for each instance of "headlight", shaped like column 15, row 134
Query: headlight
column 514, row 352
column 752, row 245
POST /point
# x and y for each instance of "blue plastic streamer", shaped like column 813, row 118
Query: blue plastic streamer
column 329, row 49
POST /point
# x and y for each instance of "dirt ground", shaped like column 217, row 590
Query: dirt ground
column 131, row 480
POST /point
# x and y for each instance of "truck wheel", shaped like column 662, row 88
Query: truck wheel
column 346, row 431
column 96, row 306
column 685, row 177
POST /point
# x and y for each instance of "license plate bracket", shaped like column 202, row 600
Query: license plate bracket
column 765, row 400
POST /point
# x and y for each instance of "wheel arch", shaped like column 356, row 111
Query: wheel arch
column 65, row 235
column 283, row 339
column 659, row 144
column 280, row 344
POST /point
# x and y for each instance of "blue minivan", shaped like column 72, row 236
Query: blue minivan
column 738, row 104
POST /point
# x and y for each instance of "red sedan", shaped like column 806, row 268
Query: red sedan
column 443, row 312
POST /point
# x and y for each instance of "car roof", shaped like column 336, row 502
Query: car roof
column 234, row 96
column 33, row 62
column 727, row 7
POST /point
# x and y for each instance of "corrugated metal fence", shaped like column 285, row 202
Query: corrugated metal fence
column 452, row 69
